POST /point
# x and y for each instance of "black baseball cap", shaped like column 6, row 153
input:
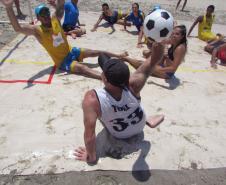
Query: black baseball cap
column 116, row 71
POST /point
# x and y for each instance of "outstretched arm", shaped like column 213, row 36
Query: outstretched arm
column 97, row 23
column 140, row 76
column 59, row 6
column 25, row 29
column 199, row 19
column 91, row 111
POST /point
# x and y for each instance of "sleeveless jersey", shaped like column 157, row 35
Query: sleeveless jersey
column 114, row 18
column 204, row 30
column 54, row 41
column 123, row 118
column 137, row 21
column 71, row 14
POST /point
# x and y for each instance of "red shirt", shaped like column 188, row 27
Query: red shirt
column 221, row 54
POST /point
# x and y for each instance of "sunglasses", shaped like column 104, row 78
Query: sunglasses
column 44, row 12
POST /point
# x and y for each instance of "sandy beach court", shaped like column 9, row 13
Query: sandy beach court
column 48, row 111
column 41, row 120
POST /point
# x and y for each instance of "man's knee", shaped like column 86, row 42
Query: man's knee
column 79, row 69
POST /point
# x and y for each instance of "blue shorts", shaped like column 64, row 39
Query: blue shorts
column 76, row 54
column 138, row 27
column 168, row 74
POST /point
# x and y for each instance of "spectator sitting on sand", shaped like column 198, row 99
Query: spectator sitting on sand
column 111, row 16
column 218, row 51
column 137, row 18
column 205, row 25
column 71, row 24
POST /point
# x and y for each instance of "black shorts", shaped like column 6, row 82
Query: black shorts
column 215, row 45
column 218, row 43
column 68, row 28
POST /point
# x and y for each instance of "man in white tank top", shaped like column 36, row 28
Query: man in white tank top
column 117, row 105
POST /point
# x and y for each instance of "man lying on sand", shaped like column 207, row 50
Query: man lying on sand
column 51, row 36
column 205, row 25
column 176, row 53
column 218, row 51
column 117, row 105
column 112, row 17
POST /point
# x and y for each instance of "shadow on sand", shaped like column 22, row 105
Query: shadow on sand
column 12, row 50
column 173, row 82
column 109, row 146
column 107, row 25
column 40, row 74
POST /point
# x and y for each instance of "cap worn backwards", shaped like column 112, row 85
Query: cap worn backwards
column 116, row 71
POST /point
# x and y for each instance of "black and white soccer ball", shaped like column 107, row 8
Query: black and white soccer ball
column 158, row 25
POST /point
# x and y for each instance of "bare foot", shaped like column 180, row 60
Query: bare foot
column 153, row 121
column 213, row 65
column 73, row 35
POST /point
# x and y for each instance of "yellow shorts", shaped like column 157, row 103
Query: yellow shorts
column 207, row 36
column 79, row 59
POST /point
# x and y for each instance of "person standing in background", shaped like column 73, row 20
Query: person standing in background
column 178, row 3
column 20, row 15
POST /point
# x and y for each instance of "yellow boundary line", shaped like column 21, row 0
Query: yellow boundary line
column 187, row 69
column 29, row 62
column 180, row 69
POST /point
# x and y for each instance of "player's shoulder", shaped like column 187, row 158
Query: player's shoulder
column 91, row 102
column 90, row 97
column 200, row 18
column 181, row 47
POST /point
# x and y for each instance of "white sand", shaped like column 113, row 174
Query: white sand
column 194, row 3
column 40, row 125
